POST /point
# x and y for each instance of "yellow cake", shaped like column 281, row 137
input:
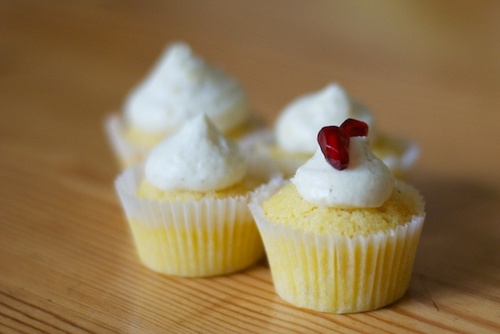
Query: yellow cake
column 193, row 238
column 350, row 246
column 293, row 140
column 186, row 231
column 182, row 85
column 289, row 207
column 146, row 190
column 328, row 260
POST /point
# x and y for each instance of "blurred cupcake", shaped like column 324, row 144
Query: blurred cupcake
column 187, row 207
column 181, row 86
column 298, row 124
column 341, row 237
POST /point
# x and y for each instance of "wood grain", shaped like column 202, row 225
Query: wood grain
column 430, row 71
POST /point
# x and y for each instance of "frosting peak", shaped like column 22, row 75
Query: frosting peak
column 334, row 99
column 299, row 123
column 365, row 183
column 181, row 86
column 196, row 158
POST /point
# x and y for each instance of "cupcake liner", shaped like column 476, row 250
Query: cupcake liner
column 338, row 274
column 127, row 152
column 193, row 238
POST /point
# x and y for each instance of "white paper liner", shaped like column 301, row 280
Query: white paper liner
column 338, row 274
column 127, row 152
column 194, row 238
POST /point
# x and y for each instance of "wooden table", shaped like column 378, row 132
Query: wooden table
column 429, row 70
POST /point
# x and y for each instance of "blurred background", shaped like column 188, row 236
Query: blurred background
column 429, row 69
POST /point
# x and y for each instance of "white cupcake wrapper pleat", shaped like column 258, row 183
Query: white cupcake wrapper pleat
column 337, row 274
column 193, row 238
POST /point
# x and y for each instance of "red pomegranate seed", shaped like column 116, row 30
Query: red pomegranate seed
column 354, row 128
column 334, row 144
column 334, row 141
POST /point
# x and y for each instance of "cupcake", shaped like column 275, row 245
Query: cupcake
column 298, row 124
column 342, row 234
column 180, row 86
column 187, row 205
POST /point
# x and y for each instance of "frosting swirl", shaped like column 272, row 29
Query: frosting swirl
column 196, row 158
column 298, row 125
column 183, row 85
column 365, row 183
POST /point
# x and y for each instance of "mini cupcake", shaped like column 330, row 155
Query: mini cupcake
column 341, row 236
column 187, row 206
column 298, row 124
column 180, row 86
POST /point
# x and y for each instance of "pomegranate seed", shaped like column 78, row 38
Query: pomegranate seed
column 334, row 141
column 334, row 144
column 354, row 128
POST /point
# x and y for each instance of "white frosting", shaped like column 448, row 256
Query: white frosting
column 365, row 183
column 183, row 85
column 298, row 125
column 196, row 158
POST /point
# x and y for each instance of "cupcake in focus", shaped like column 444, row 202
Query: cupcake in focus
column 342, row 235
column 181, row 86
column 187, row 206
column 298, row 124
